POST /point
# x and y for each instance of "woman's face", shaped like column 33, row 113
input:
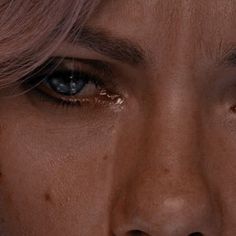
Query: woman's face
column 153, row 153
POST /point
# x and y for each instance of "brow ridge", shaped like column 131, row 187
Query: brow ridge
column 105, row 43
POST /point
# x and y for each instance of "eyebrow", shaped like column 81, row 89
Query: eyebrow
column 122, row 49
column 105, row 43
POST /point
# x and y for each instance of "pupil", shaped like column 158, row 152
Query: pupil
column 66, row 84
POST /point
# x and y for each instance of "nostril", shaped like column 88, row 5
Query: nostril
column 136, row 233
column 196, row 234
column 141, row 233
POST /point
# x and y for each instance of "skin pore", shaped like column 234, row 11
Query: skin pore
column 155, row 155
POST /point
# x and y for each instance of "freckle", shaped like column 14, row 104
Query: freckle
column 8, row 199
column 2, row 128
column 233, row 109
column 47, row 197
column 1, row 175
column 105, row 157
column 2, row 220
column 166, row 170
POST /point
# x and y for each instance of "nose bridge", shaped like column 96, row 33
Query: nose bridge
column 174, row 120
column 175, row 123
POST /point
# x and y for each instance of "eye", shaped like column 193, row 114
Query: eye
column 71, row 83
column 68, row 83
column 71, row 86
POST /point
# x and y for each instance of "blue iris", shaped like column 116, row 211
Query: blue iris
column 66, row 83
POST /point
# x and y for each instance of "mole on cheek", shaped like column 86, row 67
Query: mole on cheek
column 47, row 197
column 2, row 129
column 167, row 171
column 105, row 157
column 1, row 175
column 9, row 199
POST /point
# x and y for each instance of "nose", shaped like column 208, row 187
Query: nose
column 166, row 192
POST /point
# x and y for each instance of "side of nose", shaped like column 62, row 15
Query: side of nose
column 167, row 193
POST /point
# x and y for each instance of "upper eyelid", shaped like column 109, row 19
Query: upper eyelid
column 96, row 65
column 92, row 68
column 92, row 65
column 99, row 69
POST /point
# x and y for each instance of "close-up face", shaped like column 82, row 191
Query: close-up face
column 128, row 129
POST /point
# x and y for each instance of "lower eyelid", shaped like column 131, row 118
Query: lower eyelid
column 103, row 98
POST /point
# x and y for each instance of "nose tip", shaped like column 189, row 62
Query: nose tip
column 188, row 213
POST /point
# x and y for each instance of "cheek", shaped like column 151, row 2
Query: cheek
column 55, row 173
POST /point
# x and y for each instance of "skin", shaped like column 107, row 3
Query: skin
column 161, row 163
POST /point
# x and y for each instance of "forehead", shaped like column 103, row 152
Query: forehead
column 167, row 24
column 165, row 11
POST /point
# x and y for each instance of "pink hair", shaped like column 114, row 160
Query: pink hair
column 31, row 30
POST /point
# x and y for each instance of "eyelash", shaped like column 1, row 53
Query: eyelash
column 40, row 82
